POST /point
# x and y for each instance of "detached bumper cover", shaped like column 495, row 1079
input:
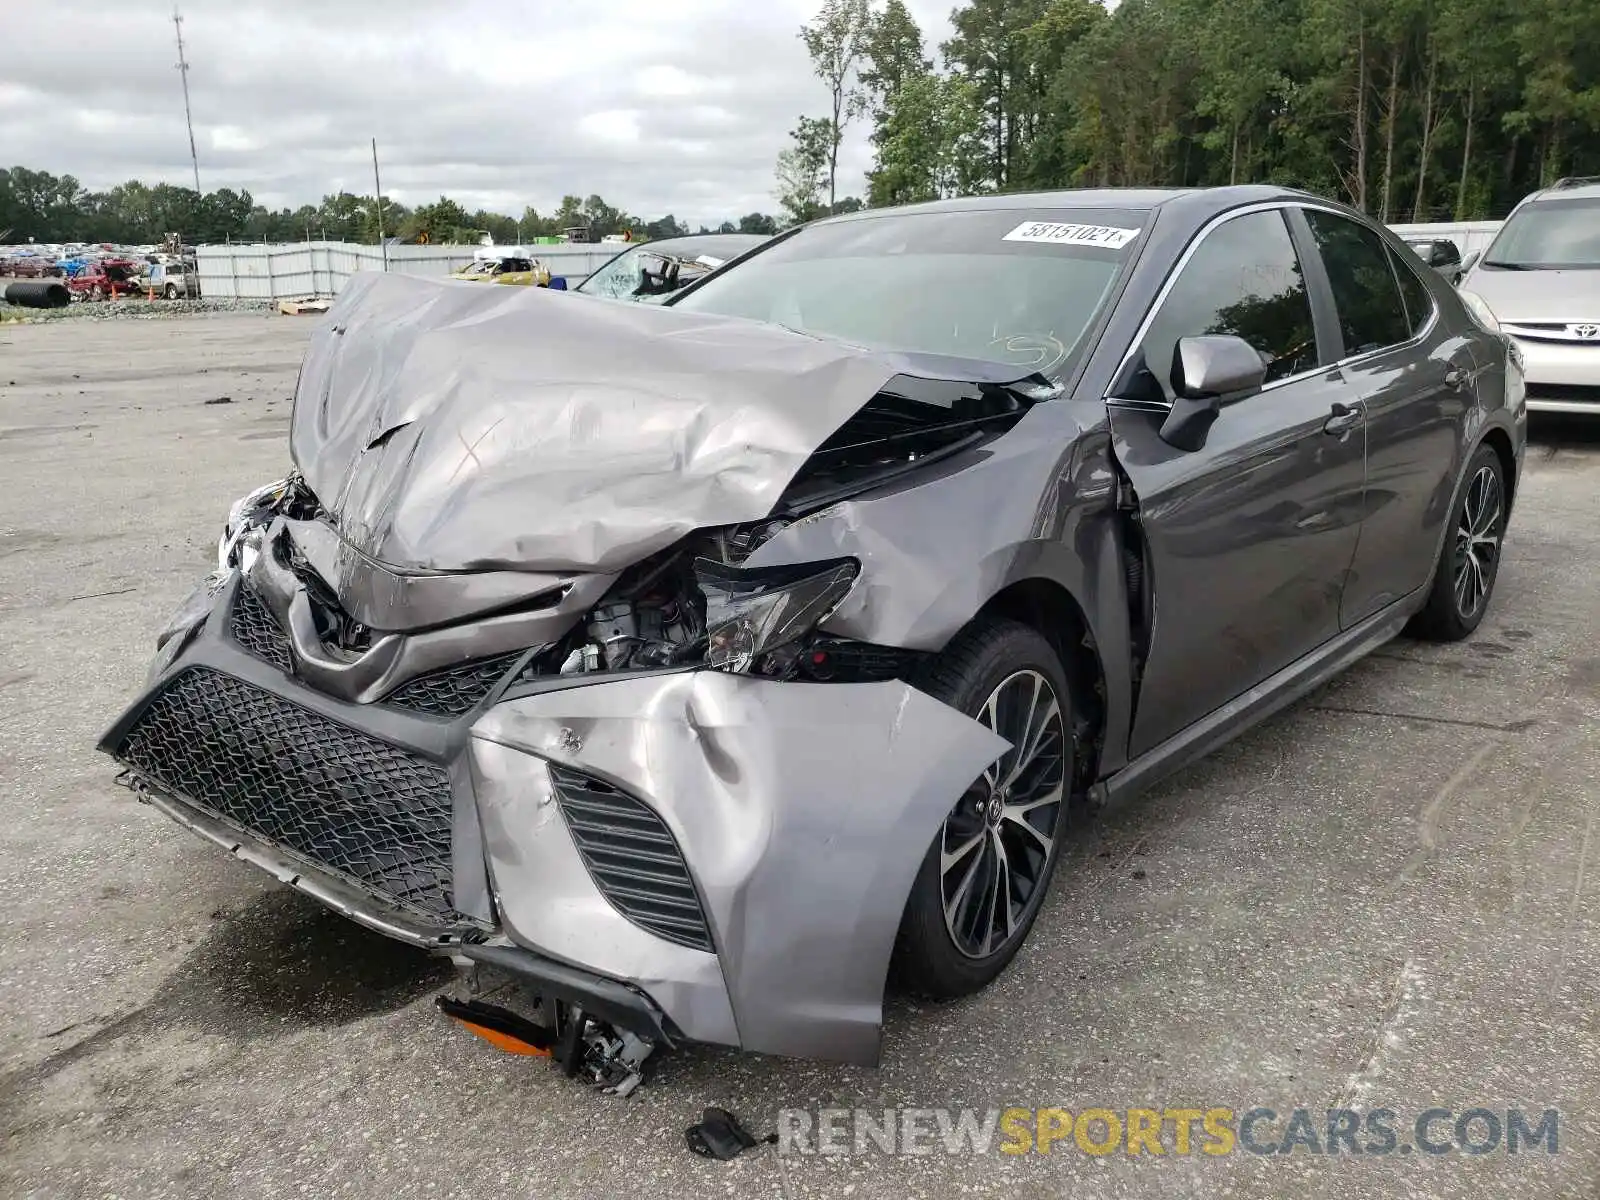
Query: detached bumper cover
column 803, row 812
column 734, row 852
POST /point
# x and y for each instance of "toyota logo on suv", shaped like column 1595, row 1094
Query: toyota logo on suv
column 1585, row 330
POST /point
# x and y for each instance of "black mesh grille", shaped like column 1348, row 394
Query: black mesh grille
column 632, row 858
column 455, row 690
column 255, row 628
column 340, row 799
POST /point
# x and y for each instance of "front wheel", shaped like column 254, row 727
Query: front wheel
column 172, row 291
column 1470, row 560
column 984, row 878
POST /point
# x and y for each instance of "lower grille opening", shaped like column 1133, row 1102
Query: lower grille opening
column 454, row 690
column 632, row 858
column 345, row 802
column 255, row 628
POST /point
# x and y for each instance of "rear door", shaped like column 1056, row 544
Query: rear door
column 1249, row 538
column 1414, row 379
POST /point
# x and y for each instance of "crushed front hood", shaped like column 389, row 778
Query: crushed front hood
column 448, row 427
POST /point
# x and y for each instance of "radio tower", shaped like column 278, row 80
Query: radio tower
column 183, row 71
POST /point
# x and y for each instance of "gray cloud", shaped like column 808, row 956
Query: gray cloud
column 660, row 106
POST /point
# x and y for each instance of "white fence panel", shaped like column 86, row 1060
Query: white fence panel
column 274, row 271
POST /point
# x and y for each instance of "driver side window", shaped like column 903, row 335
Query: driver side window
column 1245, row 279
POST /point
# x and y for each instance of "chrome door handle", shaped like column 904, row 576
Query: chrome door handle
column 1343, row 420
column 1456, row 378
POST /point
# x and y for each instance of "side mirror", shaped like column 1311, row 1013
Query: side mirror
column 558, row 283
column 1470, row 261
column 1207, row 372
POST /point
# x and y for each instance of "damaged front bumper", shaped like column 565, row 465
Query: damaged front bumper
column 687, row 853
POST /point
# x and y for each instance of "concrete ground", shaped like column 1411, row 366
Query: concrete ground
column 1382, row 898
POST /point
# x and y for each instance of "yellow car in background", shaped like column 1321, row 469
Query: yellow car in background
column 512, row 269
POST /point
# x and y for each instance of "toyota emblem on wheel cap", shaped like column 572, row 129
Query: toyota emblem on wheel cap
column 1585, row 330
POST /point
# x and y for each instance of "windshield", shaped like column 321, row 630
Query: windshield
column 1010, row 286
column 621, row 277
column 1549, row 235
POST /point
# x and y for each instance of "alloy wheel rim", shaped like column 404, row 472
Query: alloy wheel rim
column 1477, row 541
column 996, row 843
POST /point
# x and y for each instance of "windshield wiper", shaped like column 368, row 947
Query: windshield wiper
column 1508, row 266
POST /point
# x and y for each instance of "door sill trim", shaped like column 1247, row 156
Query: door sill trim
column 1271, row 695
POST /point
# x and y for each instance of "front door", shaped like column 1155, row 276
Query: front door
column 1248, row 539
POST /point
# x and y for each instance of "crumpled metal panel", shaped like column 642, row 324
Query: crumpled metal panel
column 454, row 427
column 405, row 600
column 803, row 811
column 934, row 548
column 548, row 901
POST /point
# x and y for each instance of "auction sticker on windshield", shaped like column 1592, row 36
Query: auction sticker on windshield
column 1109, row 236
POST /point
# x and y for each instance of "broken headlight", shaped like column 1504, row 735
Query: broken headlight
column 249, row 514
column 751, row 614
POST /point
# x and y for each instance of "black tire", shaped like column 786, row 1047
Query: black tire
column 1469, row 562
column 171, row 292
column 929, row 959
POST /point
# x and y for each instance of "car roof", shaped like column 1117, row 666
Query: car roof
column 1576, row 188
column 1194, row 203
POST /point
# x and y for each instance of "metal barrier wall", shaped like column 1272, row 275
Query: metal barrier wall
column 274, row 271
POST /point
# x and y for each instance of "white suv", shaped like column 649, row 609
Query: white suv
column 1540, row 278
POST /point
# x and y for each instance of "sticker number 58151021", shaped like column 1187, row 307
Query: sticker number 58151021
column 1108, row 236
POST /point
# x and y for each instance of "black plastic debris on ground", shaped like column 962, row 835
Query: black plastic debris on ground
column 719, row 1135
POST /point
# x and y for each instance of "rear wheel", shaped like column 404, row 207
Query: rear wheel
column 1470, row 559
column 984, row 877
column 97, row 292
column 171, row 292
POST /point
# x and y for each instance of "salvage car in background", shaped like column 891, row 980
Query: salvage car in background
column 105, row 279
column 1443, row 255
column 28, row 266
column 174, row 280
column 1540, row 279
column 516, row 270
column 652, row 271
column 772, row 642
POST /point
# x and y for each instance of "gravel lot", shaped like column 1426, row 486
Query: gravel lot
column 1383, row 897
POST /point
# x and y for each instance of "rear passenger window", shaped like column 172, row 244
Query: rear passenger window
column 1243, row 279
column 1419, row 301
column 1371, row 312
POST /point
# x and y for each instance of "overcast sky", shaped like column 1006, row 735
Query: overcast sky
column 660, row 106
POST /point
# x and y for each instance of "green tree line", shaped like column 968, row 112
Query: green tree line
column 1408, row 109
column 51, row 208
